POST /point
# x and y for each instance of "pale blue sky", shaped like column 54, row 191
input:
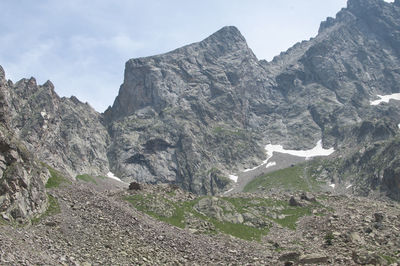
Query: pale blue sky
column 82, row 46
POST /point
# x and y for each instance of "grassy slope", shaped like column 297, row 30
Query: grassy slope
column 300, row 177
column 241, row 205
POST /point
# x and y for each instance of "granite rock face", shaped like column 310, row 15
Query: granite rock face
column 213, row 105
column 197, row 114
column 63, row 132
column 183, row 116
column 22, row 179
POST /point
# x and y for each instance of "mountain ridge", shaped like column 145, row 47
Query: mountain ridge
column 197, row 114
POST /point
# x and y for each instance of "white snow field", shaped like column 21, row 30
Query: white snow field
column 318, row 150
column 386, row 98
column 234, row 178
column 112, row 176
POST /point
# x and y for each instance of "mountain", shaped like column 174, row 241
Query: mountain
column 199, row 114
column 196, row 119
column 22, row 189
column 211, row 106
column 63, row 132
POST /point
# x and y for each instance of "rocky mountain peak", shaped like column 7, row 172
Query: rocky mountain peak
column 2, row 74
column 49, row 85
column 228, row 37
column 364, row 7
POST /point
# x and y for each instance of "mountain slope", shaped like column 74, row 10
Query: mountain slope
column 198, row 114
column 212, row 104
column 63, row 132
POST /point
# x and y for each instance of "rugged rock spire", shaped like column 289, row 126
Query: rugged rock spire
column 2, row 74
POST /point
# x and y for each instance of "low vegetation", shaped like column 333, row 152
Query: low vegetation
column 52, row 209
column 86, row 178
column 300, row 177
column 56, row 178
column 245, row 218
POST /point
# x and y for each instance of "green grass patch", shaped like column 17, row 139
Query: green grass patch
column 298, row 177
column 293, row 214
column 86, row 178
column 56, row 178
column 240, row 230
column 389, row 259
column 178, row 218
column 2, row 221
column 52, row 209
column 141, row 203
column 267, row 210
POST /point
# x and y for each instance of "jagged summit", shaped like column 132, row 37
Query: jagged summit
column 365, row 4
column 229, row 37
column 205, row 111
column 223, row 51
column 2, row 74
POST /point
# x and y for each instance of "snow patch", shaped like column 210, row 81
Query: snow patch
column 226, row 192
column 112, row 176
column 332, row 185
column 270, row 164
column 252, row 169
column 398, row 125
column 386, row 98
column 234, row 178
column 318, row 150
column 43, row 114
column 349, row 186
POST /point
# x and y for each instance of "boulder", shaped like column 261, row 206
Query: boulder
column 294, row 202
column 313, row 258
column 308, row 197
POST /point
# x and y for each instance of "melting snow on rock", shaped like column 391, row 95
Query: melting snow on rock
column 318, row 150
column 270, row 164
column 234, row 178
column 386, row 98
column 112, row 176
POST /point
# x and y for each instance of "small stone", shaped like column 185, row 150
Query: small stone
column 356, row 238
column 5, row 217
column 368, row 230
column 363, row 258
column 291, row 256
column 294, row 202
column 378, row 217
column 308, row 197
column 313, row 258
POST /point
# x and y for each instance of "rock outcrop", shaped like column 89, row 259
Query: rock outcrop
column 22, row 179
column 213, row 104
column 183, row 116
column 63, row 132
column 197, row 114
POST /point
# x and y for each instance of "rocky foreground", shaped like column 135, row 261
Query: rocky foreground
column 93, row 223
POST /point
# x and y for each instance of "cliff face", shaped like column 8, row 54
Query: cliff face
column 212, row 104
column 184, row 116
column 199, row 113
column 22, row 177
column 62, row 132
